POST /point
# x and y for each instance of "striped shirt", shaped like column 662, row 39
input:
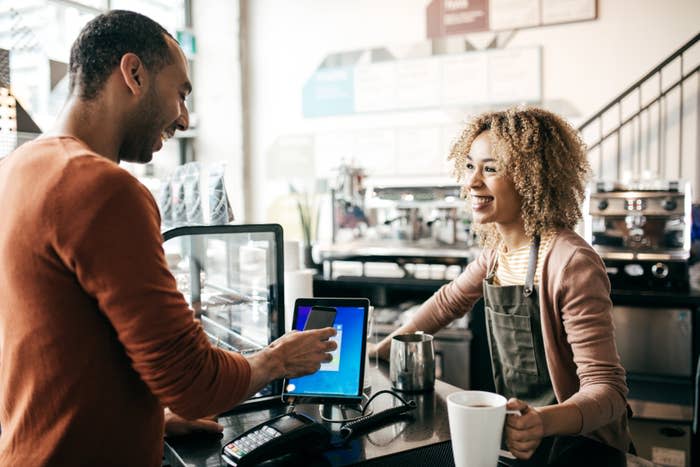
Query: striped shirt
column 512, row 265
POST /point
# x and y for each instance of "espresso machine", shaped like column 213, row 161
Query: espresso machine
column 429, row 216
column 347, row 200
column 642, row 232
column 412, row 227
column 419, row 215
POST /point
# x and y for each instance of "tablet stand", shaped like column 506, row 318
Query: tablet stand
column 342, row 413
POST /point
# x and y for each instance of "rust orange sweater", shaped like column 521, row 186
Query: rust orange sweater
column 95, row 338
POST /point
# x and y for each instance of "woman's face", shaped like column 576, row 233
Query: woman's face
column 492, row 193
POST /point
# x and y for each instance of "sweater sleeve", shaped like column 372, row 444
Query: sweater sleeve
column 455, row 298
column 586, row 311
column 108, row 234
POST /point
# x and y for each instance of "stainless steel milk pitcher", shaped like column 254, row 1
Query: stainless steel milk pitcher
column 412, row 362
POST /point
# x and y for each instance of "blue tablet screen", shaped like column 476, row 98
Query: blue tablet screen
column 341, row 376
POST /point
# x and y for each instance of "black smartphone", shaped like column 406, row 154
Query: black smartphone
column 320, row 317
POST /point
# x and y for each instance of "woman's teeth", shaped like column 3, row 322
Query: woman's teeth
column 479, row 200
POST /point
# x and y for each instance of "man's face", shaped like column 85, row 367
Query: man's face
column 161, row 111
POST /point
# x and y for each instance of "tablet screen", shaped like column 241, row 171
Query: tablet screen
column 342, row 377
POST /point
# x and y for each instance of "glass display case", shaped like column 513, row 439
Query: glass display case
column 232, row 277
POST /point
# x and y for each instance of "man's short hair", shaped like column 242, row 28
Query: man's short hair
column 105, row 39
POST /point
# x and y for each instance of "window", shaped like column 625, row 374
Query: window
column 38, row 35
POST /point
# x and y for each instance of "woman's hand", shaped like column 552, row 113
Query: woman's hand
column 372, row 350
column 175, row 425
column 525, row 432
column 375, row 351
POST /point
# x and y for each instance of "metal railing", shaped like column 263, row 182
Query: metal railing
column 652, row 129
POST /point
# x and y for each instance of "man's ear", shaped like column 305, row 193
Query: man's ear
column 133, row 73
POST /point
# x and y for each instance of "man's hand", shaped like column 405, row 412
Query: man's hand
column 296, row 353
column 175, row 425
column 302, row 352
column 525, row 432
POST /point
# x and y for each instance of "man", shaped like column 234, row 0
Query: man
column 95, row 338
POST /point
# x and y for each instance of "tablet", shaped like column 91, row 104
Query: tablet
column 340, row 380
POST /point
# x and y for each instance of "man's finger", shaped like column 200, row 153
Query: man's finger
column 178, row 426
column 330, row 345
column 323, row 333
column 203, row 424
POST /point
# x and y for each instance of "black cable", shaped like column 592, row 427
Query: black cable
column 384, row 391
column 379, row 418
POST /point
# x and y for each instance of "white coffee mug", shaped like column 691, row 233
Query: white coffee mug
column 476, row 425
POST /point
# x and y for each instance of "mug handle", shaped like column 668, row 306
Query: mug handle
column 514, row 412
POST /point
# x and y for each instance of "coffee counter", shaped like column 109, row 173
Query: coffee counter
column 664, row 335
column 428, row 426
column 421, row 439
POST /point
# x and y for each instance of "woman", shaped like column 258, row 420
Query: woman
column 546, row 293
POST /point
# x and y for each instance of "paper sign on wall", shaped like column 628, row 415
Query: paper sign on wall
column 499, row 76
column 455, row 17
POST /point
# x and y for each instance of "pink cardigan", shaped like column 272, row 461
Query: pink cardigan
column 577, row 329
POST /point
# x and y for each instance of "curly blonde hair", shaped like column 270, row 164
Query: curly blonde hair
column 543, row 156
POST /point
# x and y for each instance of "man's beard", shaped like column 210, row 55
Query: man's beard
column 144, row 125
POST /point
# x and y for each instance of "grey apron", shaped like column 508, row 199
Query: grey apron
column 514, row 330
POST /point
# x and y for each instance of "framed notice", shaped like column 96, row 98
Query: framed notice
column 454, row 17
column 514, row 14
column 447, row 17
column 566, row 11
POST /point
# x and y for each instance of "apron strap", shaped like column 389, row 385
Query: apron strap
column 532, row 267
column 491, row 268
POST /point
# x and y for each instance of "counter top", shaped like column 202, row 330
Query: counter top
column 422, row 439
column 395, row 248
column 428, row 426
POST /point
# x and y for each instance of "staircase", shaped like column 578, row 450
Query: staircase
column 651, row 131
